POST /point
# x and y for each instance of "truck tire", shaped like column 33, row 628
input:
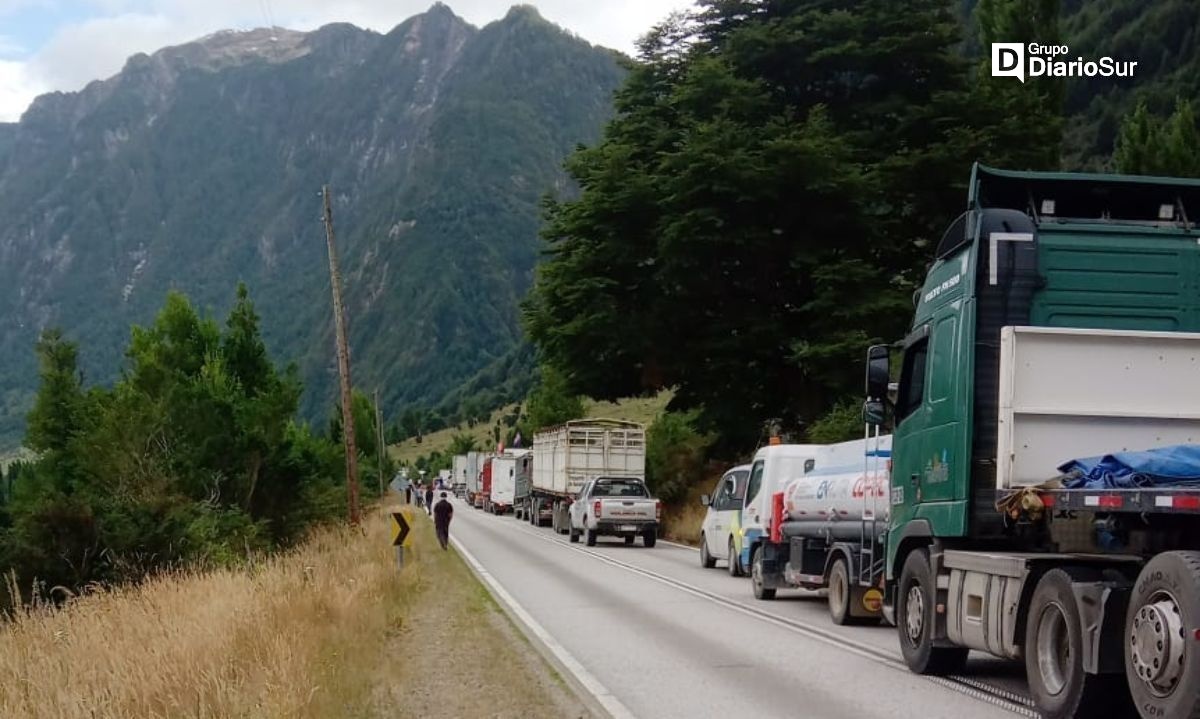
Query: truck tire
column 591, row 537
column 840, row 593
column 572, row 535
column 1162, row 656
column 629, row 540
column 915, row 599
column 706, row 560
column 1054, row 652
column 649, row 539
column 756, row 576
column 734, row 563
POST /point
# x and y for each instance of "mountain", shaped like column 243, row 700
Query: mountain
column 200, row 165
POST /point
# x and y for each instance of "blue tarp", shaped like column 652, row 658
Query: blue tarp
column 1176, row 466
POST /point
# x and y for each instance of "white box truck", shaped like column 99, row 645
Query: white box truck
column 567, row 457
column 510, row 481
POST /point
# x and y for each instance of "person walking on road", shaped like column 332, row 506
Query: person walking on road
column 441, row 519
column 429, row 499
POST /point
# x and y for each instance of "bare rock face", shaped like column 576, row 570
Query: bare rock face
column 198, row 166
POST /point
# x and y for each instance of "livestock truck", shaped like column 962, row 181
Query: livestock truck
column 570, row 455
column 1055, row 339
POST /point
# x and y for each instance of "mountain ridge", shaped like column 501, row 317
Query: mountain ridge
column 198, row 165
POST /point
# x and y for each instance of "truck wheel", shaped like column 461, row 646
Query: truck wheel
column 629, row 541
column 734, row 563
column 706, row 560
column 649, row 539
column 572, row 535
column 915, row 616
column 756, row 576
column 840, row 593
column 1054, row 652
column 591, row 537
column 1162, row 657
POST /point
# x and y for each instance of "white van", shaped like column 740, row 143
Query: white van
column 773, row 467
column 723, row 518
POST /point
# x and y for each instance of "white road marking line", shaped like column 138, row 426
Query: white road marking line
column 564, row 658
column 977, row 690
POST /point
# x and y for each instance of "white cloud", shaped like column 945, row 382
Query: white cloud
column 16, row 90
column 97, row 48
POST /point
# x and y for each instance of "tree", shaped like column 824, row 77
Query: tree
column 1148, row 145
column 762, row 206
column 461, row 444
column 550, row 403
column 60, row 413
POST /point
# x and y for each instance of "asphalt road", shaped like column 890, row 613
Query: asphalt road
column 669, row 639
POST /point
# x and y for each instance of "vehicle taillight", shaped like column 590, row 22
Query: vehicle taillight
column 596, row 508
column 658, row 509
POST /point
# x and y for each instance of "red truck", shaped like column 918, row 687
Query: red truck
column 483, row 497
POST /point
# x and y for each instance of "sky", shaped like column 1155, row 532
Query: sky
column 48, row 45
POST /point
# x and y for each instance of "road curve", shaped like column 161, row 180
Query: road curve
column 669, row 639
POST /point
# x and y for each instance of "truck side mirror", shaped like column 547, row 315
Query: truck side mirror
column 705, row 500
column 878, row 372
column 873, row 412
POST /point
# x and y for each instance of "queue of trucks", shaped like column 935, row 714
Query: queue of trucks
column 595, row 466
column 1030, row 487
column 1028, row 481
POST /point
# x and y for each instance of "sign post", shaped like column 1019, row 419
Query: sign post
column 400, row 536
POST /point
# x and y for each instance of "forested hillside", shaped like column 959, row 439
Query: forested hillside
column 199, row 166
column 766, row 200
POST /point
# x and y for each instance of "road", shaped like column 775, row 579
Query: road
column 670, row 639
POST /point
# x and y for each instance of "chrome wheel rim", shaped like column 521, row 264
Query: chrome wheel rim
column 914, row 615
column 1157, row 643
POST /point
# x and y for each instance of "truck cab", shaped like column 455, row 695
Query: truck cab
column 1058, row 321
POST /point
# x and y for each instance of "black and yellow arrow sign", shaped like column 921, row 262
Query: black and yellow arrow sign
column 400, row 534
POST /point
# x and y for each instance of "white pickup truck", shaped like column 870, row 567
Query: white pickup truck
column 615, row 507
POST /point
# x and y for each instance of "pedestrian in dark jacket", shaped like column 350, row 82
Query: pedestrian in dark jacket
column 442, row 513
column 429, row 499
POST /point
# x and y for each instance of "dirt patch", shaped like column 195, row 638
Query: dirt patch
column 457, row 655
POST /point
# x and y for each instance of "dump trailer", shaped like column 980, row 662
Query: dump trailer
column 1056, row 340
column 568, row 456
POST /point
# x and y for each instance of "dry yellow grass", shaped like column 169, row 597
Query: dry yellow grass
column 682, row 522
column 282, row 639
column 327, row 631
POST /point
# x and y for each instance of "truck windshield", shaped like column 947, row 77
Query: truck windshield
column 619, row 488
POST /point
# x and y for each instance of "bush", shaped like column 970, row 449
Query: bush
column 675, row 455
column 841, row 424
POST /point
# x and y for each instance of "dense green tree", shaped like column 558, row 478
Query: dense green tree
column 1148, row 145
column 550, row 403
column 763, row 205
column 461, row 444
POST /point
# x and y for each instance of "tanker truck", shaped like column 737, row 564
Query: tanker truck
column 1045, row 480
column 831, row 507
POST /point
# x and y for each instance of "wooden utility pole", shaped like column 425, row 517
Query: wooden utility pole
column 343, row 356
column 379, row 438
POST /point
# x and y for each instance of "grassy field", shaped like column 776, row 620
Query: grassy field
column 638, row 409
column 329, row 630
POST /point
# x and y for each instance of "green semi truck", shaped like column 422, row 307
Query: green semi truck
column 1059, row 320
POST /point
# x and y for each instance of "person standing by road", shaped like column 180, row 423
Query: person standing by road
column 442, row 514
column 429, row 499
